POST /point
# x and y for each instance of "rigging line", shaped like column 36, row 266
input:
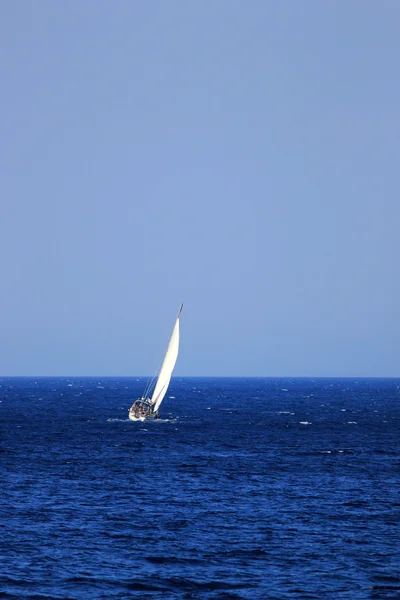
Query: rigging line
column 152, row 379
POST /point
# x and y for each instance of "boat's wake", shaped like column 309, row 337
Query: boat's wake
column 153, row 421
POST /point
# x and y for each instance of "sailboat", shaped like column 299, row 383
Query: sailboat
column 147, row 406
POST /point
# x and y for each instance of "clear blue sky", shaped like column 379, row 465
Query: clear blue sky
column 241, row 157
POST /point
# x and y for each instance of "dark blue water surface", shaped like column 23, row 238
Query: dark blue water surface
column 246, row 488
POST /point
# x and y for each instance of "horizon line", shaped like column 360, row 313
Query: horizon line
column 204, row 376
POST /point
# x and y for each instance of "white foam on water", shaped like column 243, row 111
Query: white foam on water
column 352, row 422
column 305, row 423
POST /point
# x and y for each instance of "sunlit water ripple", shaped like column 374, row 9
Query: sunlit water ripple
column 246, row 488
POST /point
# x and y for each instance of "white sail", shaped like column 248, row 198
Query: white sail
column 168, row 366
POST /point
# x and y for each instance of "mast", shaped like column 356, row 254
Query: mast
column 168, row 365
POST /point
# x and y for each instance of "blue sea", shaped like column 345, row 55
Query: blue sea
column 244, row 489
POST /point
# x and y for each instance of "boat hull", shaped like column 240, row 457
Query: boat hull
column 133, row 418
column 149, row 418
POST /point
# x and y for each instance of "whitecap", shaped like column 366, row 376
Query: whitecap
column 305, row 423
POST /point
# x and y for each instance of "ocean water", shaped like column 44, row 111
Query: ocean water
column 245, row 489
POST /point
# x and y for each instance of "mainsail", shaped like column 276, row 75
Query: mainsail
column 167, row 367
